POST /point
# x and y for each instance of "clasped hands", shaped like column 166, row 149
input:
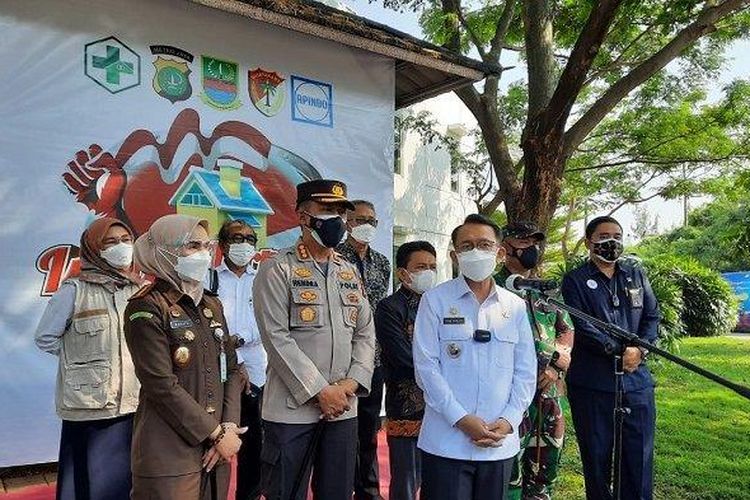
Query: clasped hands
column 483, row 434
column 226, row 444
column 334, row 400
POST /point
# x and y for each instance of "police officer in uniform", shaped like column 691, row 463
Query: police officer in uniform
column 317, row 328
column 617, row 291
column 185, row 428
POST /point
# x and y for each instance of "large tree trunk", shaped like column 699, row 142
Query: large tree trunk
column 544, row 164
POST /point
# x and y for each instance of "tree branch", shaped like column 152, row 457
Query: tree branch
column 703, row 25
column 501, row 31
column 473, row 37
column 617, row 62
column 655, row 161
column 581, row 58
column 537, row 19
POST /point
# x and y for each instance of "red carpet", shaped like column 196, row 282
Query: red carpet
column 48, row 492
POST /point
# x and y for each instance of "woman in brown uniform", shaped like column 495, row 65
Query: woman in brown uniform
column 186, row 425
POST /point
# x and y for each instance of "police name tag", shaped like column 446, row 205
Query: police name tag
column 223, row 366
column 454, row 321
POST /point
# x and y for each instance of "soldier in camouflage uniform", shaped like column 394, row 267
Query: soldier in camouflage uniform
column 543, row 427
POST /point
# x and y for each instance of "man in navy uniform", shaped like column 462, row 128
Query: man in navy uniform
column 617, row 291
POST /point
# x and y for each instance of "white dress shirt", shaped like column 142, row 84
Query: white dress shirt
column 460, row 376
column 236, row 295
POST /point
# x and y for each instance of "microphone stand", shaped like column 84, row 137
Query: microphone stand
column 631, row 339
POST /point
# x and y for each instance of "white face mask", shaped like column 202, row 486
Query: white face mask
column 119, row 256
column 423, row 280
column 364, row 233
column 193, row 267
column 241, row 253
column 477, row 265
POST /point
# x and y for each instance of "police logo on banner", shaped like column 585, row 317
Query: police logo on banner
column 112, row 64
column 312, row 101
column 172, row 77
column 220, row 83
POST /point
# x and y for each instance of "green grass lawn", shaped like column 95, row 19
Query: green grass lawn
column 702, row 429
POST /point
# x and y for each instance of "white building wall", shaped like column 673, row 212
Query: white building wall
column 425, row 207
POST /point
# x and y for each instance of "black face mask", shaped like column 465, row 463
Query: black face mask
column 528, row 257
column 608, row 250
column 329, row 231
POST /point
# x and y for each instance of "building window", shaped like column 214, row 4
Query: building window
column 398, row 138
column 195, row 197
column 454, row 175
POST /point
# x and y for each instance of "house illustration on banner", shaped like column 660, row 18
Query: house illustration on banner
column 222, row 195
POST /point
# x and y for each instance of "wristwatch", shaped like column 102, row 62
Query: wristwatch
column 644, row 353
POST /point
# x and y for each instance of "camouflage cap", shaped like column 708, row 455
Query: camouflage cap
column 523, row 230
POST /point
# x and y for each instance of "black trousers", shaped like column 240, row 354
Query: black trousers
column 450, row 479
column 94, row 459
column 592, row 413
column 366, row 479
column 248, row 458
column 333, row 447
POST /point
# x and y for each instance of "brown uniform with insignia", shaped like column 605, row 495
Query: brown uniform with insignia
column 176, row 348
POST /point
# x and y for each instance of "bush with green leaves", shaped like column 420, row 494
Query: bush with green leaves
column 709, row 303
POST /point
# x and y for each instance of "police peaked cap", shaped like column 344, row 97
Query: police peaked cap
column 323, row 191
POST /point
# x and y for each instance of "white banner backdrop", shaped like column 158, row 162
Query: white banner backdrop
column 123, row 109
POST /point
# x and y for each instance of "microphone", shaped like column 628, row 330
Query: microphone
column 517, row 283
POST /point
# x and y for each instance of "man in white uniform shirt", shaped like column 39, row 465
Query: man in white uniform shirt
column 474, row 359
column 232, row 280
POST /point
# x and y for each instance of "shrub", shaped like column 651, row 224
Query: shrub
column 709, row 303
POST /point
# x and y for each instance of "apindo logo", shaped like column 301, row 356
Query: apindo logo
column 312, row 101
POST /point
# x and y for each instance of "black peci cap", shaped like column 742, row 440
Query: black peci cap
column 523, row 230
column 323, row 191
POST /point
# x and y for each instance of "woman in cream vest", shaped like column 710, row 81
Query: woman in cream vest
column 97, row 390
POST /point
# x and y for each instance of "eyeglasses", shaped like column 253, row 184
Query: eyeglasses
column 365, row 220
column 242, row 238
column 484, row 246
column 198, row 245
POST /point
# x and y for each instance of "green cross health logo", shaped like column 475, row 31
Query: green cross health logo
column 112, row 64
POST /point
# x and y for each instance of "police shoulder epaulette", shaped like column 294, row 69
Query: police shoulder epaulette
column 143, row 291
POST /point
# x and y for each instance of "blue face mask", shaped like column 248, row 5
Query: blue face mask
column 328, row 230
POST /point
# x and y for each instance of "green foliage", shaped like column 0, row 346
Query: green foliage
column 669, row 143
column 669, row 296
column 718, row 233
column 709, row 305
column 666, row 138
